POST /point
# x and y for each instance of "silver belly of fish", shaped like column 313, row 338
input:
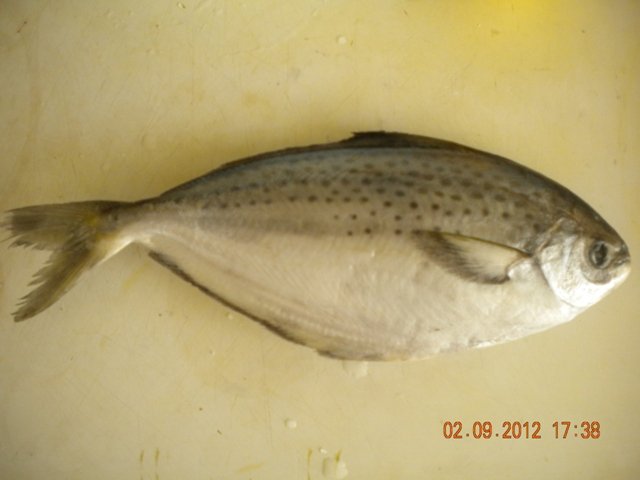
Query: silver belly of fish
column 380, row 247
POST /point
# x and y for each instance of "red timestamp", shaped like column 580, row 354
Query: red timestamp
column 514, row 430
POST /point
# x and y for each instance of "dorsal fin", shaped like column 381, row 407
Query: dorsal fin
column 382, row 139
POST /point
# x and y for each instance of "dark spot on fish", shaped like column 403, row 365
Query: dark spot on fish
column 399, row 193
column 445, row 182
column 438, row 193
column 487, row 186
column 345, row 181
column 367, row 231
column 439, row 169
column 346, row 199
column 336, row 217
column 266, row 190
column 418, row 217
column 252, row 202
column 537, row 227
column 373, row 213
column 364, row 199
column 235, row 188
column 292, row 198
column 350, row 233
column 267, row 201
column 528, row 216
column 353, row 170
column 335, row 192
column 506, row 215
column 304, row 181
column 380, row 190
column 328, row 200
column 366, row 181
column 325, row 183
column 413, row 205
column 413, row 173
column 466, row 211
column 465, row 183
column 223, row 206
column 437, row 229
column 519, row 203
column 485, row 211
column 312, row 198
column 423, row 190
column 356, row 190
column 398, row 232
column 435, row 206
column 353, row 216
column 237, row 205
column 251, row 185
column 456, row 197
column 387, row 204
column 476, row 195
column 428, row 176
column 448, row 213
column 398, row 218
column 499, row 198
column 368, row 166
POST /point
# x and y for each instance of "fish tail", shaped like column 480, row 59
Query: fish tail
column 79, row 236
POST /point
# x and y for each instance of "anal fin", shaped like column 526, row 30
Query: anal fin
column 169, row 263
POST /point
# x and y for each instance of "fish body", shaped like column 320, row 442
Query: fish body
column 383, row 246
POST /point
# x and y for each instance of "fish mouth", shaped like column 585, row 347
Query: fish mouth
column 624, row 256
column 622, row 269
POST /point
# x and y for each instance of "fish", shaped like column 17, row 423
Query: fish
column 384, row 246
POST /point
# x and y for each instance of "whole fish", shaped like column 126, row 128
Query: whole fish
column 384, row 246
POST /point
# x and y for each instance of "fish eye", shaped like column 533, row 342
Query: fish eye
column 599, row 254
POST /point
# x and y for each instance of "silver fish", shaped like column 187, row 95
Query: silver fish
column 384, row 246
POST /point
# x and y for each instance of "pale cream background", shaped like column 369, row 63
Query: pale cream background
column 137, row 375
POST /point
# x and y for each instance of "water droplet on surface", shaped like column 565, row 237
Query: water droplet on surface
column 356, row 369
column 334, row 468
column 290, row 423
column 342, row 40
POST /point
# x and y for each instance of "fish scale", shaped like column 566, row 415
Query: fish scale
column 380, row 247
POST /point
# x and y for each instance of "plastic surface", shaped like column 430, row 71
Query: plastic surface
column 136, row 374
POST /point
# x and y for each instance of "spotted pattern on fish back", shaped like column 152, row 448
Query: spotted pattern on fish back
column 377, row 190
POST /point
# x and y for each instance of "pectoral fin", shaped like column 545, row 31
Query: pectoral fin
column 470, row 258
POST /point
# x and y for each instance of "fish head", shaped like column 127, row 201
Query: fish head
column 583, row 259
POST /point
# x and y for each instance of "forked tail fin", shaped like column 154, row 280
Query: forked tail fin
column 77, row 235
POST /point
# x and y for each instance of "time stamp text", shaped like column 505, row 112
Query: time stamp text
column 516, row 430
